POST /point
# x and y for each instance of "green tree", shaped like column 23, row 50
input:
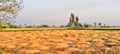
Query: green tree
column 100, row 24
column 86, row 25
column 44, row 25
column 72, row 17
column 9, row 10
column 73, row 20
column 70, row 22
column 77, row 22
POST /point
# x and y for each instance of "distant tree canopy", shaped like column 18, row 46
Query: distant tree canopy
column 74, row 21
column 9, row 10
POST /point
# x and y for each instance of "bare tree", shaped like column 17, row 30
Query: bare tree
column 9, row 10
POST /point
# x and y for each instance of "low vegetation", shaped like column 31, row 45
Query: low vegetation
column 29, row 29
column 5, row 52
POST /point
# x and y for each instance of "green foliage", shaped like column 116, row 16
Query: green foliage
column 9, row 10
column 29, row 29
column 70, row 22
column 5, row 52
column 72, row 17
column 44, row 26
column 86, row 25
column 77, row 23
column 73, row 22
column 100, row 24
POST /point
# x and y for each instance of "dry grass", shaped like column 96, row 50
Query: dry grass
column 61, row 42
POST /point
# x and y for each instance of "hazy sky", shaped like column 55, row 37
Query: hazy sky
column 57, row 12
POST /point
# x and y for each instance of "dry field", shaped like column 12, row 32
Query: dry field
column 61, row 42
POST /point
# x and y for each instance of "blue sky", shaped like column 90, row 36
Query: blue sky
column 57, row 12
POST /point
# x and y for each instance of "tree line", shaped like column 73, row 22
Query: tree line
column 74, row 23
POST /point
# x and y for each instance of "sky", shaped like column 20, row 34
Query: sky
column 57, row 12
